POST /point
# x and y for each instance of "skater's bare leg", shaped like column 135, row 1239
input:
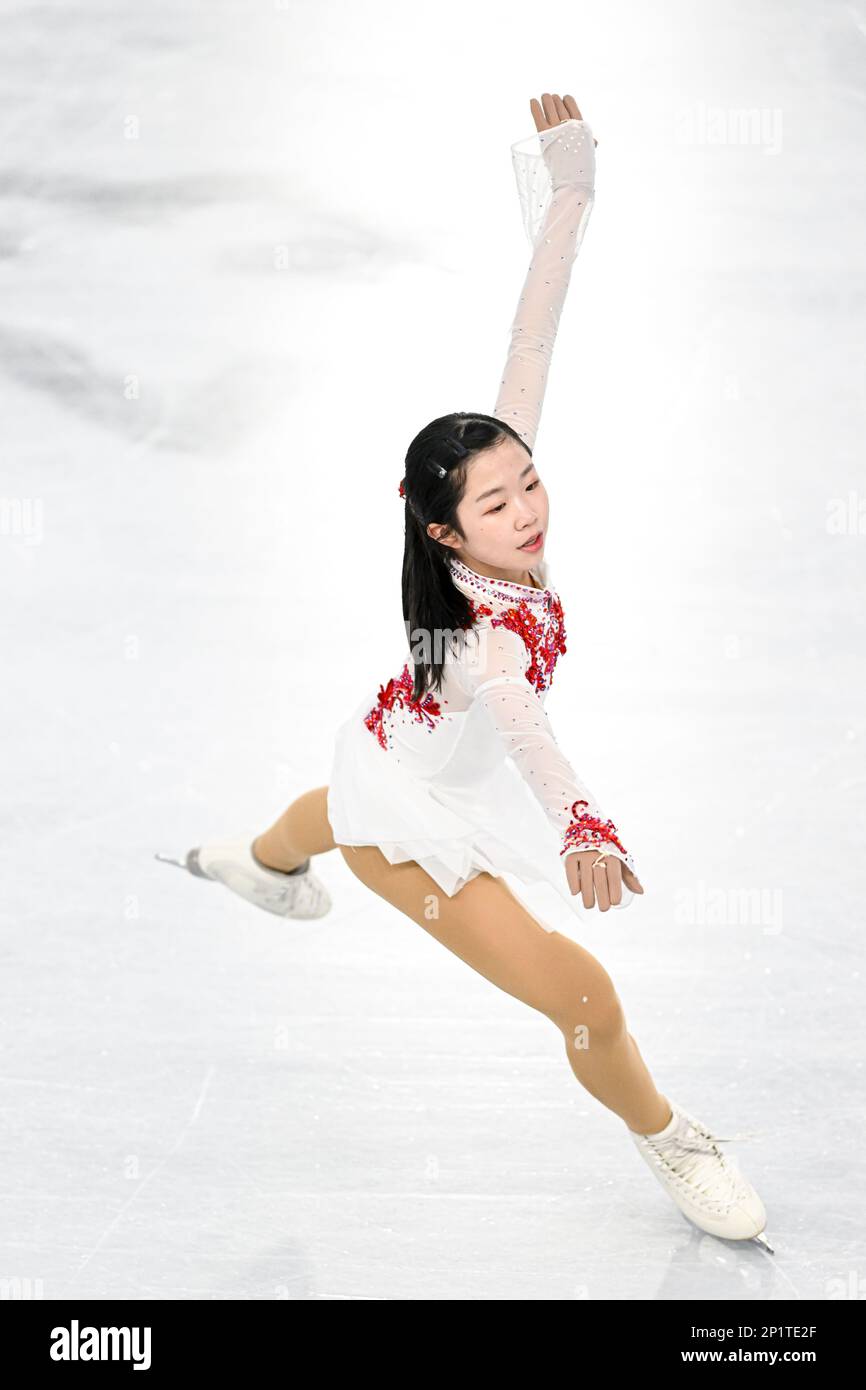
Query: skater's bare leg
column 491, row 930
column 302, row 830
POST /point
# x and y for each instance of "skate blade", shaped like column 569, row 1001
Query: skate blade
column 761, row 1239
column 190, row 863
column 167, row 859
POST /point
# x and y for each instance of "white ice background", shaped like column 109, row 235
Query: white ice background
column 246, row 252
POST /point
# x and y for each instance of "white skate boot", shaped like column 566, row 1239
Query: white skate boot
column 232, row 862
column 706, row 1185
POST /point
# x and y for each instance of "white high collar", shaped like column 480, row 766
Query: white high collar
column 505, row 590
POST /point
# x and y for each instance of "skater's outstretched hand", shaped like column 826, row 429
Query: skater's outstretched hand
column 605, row 882
column 553, row 110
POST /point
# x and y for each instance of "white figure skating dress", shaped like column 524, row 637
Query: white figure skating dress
column 470, row 778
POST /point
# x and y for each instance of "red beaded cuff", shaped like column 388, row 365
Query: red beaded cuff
column 589, row 832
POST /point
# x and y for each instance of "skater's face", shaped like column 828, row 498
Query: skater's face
column 504, row 506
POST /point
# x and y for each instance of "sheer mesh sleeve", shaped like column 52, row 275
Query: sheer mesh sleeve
column 493, row 670
column 555, row 172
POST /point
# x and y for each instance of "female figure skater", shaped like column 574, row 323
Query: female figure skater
column 449, row 775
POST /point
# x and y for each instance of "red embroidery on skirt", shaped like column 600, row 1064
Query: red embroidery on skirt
column 589, row 830
column 398, row 692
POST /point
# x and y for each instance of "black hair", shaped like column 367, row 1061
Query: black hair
column 434, row 609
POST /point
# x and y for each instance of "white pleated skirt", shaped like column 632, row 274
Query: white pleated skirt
column 455, row 823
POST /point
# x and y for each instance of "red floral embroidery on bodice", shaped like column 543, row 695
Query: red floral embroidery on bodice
column 537, row 619
column 543, row 635
column 398, row 692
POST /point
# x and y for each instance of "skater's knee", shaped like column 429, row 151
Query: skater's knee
column 590, row 1010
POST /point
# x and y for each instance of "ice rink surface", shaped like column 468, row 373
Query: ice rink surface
column 246, row 253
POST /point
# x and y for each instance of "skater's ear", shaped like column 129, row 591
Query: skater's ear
column 444, row 534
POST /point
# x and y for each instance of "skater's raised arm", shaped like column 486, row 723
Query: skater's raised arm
column 556, row 169
column 497, row 670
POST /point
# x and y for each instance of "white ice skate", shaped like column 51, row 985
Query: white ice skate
column 231, row 862
column 706, row 1184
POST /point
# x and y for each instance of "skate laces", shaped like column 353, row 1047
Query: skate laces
column 717, row 1138
column 702, row 1129
column 692, row 1158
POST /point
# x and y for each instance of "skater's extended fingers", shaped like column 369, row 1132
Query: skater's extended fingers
column 549, row 114
column 553, row 108
column 572, row 872
column 578, row 871
column 554, row 111
column 586, row 884
column 631, row 880
column 537, row 114
column 597, row 884
column 572, row 108
column 601, row 889
column 562, row 111
column 614, row 879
